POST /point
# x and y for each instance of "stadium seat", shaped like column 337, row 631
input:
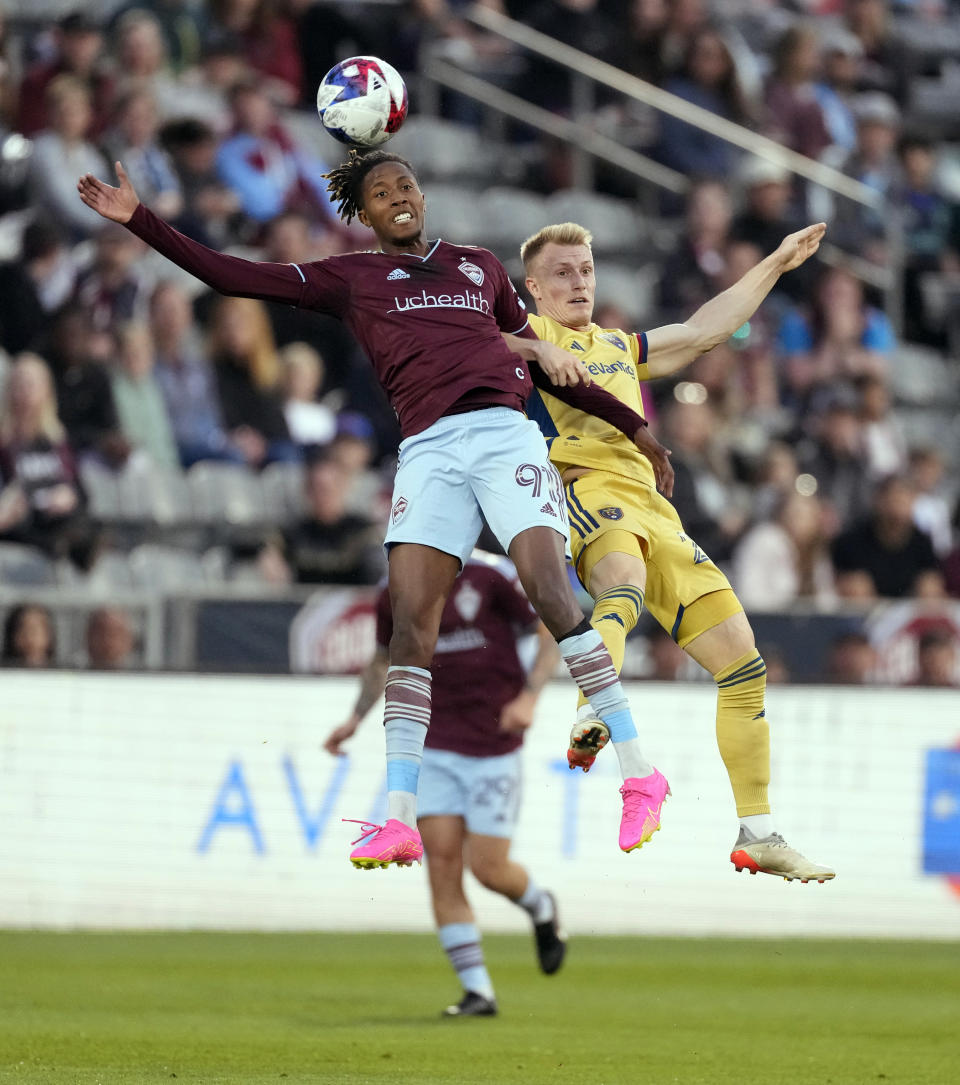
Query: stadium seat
column 508, row 216
column 225, row 492
column 282, row 488
column 103, row 491
column 165, row 568
column 630, row 289
column 613, row 223
column 153, row 494
column 442, row 149
column 110, row 573
column 25, row 565
column 454, row 214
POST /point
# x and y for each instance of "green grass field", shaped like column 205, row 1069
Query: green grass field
column 331, row 1008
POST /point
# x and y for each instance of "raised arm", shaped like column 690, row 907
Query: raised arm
column 675, row 345
column 225, row 274
column 372, row 684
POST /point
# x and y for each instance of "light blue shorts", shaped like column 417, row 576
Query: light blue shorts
column 484, row 791
column 494, row 461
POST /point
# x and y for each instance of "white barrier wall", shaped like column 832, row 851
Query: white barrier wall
column 207, row 802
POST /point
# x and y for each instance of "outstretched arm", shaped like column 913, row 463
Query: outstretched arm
column 675, row 345
column 225, row 274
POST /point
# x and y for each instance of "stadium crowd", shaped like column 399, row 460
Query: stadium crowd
column 807, row 462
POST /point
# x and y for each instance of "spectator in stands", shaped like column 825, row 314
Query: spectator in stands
column 141, row 408
column 61, row 154
column 775, row 481
column 703, row 491
column 931, row 509
column 209, row 206
column 34, row 286
column 110, row 640
column 931, row 233
column 79, row 53
column 886, row 554
column 642, row 45
column 265, row 167
column 795, row 116
column 183, row 25
column 354, row 448
column 309, row 421
column 326, row 34
column 781, row 561
column 29, row 638
column 873, row 162
column 842, row 339
column 835, row 91
column 142, row 60
column 87, row 409
column 268, row 39
column 692, row 273
column 707, row 78
column 768, row 216
column 937, row 660
column 187, row 381
column 114, row 288
column 331, row 545
column 885, row 64
column 834, row 457
column 582, row 24
column 884, row 444
column 133, row 140
column 851, row 660
column 42, row 503
column 248, row 372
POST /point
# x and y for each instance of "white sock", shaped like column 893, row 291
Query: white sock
column 757, row 825
column 536, row 903
column 402, row 805
column 632, row 761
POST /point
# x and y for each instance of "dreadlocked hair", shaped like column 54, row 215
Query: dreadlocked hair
column 346, row 180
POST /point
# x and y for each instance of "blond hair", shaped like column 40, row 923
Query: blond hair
column 47, row 422
column 561, row 233
column 260, row 358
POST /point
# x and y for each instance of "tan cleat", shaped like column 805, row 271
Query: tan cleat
column 773, row 855
column 587, row 739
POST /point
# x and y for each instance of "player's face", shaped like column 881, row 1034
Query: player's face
column 393, row 206
column 562, row 283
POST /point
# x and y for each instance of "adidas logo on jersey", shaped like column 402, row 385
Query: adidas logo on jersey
column 399, row 273
column 548, row 509
column 576, row 346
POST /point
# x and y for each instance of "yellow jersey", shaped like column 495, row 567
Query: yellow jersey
column 618, row 363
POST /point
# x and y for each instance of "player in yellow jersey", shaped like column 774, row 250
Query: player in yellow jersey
column 628, row 543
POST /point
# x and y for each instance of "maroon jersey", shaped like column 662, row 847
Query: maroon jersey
column 476, row 668
column 431, row 325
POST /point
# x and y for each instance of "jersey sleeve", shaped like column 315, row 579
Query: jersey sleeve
column 508, row 310
column 638, row 347
column 327, row 285
column 384, row 619
column 226, row 274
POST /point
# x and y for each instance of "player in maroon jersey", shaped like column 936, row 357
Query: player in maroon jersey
column 451, row 345
column 469, row 788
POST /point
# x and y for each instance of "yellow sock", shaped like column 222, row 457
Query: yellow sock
column 743, row 733
column 615, row 613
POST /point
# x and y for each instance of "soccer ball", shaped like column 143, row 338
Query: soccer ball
column 362, row 101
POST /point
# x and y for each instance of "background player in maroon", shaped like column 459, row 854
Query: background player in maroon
column 470, row 781
column 432, row 317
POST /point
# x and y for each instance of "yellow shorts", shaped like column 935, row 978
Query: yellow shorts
column 679, row 574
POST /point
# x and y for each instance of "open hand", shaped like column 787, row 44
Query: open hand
column 517, row 715
column 800, row 246
column 658, row 456
column 116, row 204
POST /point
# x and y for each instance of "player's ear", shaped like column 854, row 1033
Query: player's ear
column 362, row 217
column 532, row 288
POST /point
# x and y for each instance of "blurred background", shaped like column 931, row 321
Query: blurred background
column 194, row 483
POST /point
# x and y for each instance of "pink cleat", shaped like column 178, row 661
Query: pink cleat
column 642, row 802
column 385, row 844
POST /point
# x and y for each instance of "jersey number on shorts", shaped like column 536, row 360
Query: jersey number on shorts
column 540, row 475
